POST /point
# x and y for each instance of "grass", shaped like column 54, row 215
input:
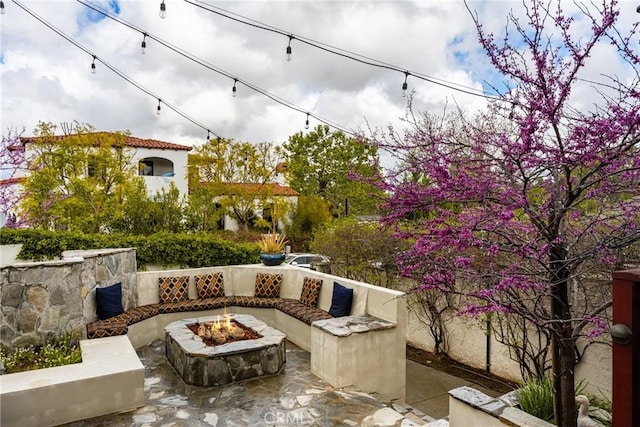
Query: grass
column 62, row 351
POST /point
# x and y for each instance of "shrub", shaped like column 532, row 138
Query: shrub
column 63, row 351
column 535, row 397
column 185, row 250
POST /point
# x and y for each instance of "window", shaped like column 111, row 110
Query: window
column 145, row 168
column 95, row 169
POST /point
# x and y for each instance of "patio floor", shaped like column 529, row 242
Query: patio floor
column 293, row 398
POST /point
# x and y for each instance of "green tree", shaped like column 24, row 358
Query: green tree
column 360, row 251
column 136, row 214
column 309, row 214
column 322, row 163
column 235, row 175
column 76, row 182
column 169, row 210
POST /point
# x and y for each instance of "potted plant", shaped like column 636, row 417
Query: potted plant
column 272, row 247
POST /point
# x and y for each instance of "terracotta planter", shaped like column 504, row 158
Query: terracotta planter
column 271, row 259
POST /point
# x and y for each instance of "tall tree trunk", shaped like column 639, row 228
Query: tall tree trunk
column 563, row 357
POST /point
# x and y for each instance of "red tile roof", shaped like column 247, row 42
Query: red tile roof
column 272, row 188
column 130, row 141
column 10, row 181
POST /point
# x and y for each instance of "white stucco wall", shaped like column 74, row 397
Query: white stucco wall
column 467, row 344
column 155, row 183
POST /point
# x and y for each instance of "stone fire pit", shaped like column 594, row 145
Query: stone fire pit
column 202, row 365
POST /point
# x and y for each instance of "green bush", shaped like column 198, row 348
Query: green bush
column 184, row 250
column 63, row 351
column 535, row 397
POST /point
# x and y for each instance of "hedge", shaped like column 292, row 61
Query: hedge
column 165, row 249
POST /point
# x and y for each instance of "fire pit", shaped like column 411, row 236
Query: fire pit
column 248, row 348
column 221, row 332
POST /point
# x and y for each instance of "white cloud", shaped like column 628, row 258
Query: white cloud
column 46, row 78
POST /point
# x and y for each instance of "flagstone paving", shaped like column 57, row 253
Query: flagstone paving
column 293, row 398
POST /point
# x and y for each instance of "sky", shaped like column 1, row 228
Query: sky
column 47, row 78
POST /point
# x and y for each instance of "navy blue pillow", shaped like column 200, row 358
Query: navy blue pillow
column 341, row 300
column 109, row 301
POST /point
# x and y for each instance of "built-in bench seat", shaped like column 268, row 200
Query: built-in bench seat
column 118, row 325
column 376, row 320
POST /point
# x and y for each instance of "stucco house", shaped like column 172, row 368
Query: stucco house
column 158, row 162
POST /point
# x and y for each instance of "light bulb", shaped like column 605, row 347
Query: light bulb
column 93, row 66
column 1, row 7
column 289, row 49
column 144, row 44
column 306, row 123
column 233, row 91
column 404, row 85
column 158, row 110
column 163, row 10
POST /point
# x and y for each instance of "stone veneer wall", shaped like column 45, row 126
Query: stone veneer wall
column 41, row 300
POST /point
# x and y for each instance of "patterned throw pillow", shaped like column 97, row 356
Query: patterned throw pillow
column 268, row 285
column 174, row 289
column 210, row 285
column 310, row 291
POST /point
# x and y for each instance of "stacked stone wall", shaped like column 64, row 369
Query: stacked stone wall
column 43, row 300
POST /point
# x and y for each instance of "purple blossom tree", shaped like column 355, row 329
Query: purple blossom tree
column 13, row 166
column 521, row 207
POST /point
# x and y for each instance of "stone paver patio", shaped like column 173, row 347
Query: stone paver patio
column 294, row 398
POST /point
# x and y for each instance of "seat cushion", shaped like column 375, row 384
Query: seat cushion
column 194, row 305
column 258, row 302
column 268, row 285
column 106, row 328
column 137, row 314
column 210, row 285
column 310, row 291
column 301, row 311
column 173, row 289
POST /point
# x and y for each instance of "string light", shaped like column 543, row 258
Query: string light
column 404, row 85
column 289, row 49
column 185, row 54
column 208, row 134
column 93, row 65
column 163, row 10
column 337, row 51
column 211, row 67
column 114, row 69
column 233, row 91
column 158, row 110
column 144, row 42
column 1, row 7
column 306, row 124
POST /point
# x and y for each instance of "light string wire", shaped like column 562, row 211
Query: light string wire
column 338, row 51
column 115, row 70
column 218, row 70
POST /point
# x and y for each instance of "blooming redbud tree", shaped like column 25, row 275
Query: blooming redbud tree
column 518, row 208
column 13, row 166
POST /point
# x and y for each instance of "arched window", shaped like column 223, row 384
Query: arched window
column 155, row 166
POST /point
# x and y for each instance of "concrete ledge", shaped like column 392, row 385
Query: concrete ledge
column 471, row 407
column 345, row 326
column 109, row 379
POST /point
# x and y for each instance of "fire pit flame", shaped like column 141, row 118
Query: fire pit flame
column 220, row 332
